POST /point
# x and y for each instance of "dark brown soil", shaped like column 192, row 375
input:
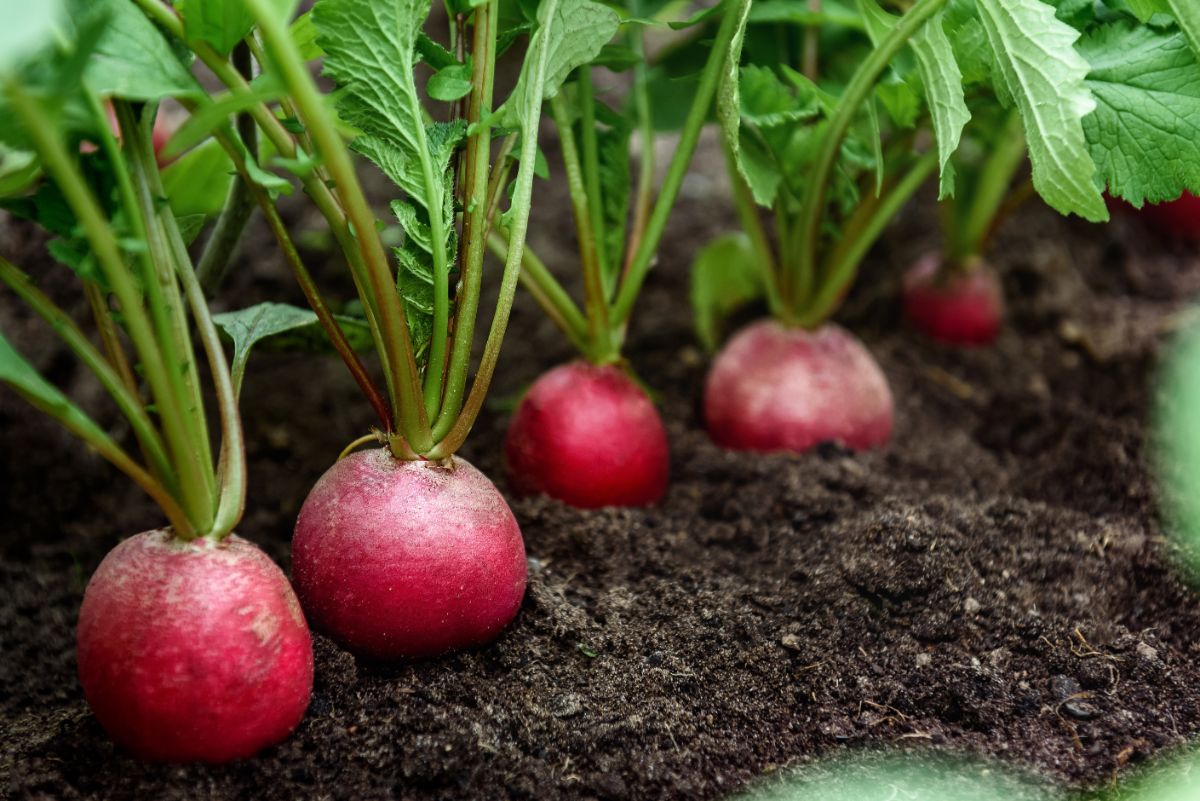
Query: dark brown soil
column 994, row 582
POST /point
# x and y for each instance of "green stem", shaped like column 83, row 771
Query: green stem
column 60, row 166
column 641, row 102
column 548, row 292
column 522, row 198
column 841, row 272
column 991, row 188
column 591, row 167
column 129, row 405
column 848, row 106
column 239, row 204
column 752, row 224
column 231, row 463
column 689, row 136
column 83, row 427
column 407, row 405
column 170, row 316
column 599, row 335
column 475, row 213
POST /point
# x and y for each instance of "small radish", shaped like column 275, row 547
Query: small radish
column 1177, row 218
column 774, row 388
column 954, row 307
column 193, row 651
column 588, row 436
column 407, row 559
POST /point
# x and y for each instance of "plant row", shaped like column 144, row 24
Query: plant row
column 144, row 136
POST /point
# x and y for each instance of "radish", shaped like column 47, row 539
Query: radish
column 775, row 388
column 1176, row 218
column 193, row 650
column 405, row 559
column 954, row 307
column 588, row 435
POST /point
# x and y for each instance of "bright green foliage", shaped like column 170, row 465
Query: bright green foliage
column 1178, row 432
column 613, row 136
column 913, row 778
column 573, row 32
column 247, row 327
column 25, row 28
column 1145, row 132
column 220, row 23
column 370, row 51
column 724, row 277
column 1037, row 65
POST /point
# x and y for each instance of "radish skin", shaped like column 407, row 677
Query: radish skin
column 193, row 651
column 1177, row 218
column 774, row 388
column 959, row 309
column 587, row 435
column 399, row 560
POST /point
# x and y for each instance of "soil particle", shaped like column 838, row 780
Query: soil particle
column 995, row 581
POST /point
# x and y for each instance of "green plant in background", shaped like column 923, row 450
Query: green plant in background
column 190, row 645
column 1178, row 434
column 585, row 432
column 912, row 777
column 833, row 149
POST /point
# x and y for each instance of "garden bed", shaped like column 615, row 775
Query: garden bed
column 994, row 582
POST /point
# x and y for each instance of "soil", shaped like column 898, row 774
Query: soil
column 994, row 582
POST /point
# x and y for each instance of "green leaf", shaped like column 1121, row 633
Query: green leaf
column 1145, row 132
column 1037, row 64
column 763, row 181
column 725, row 276
column 18, row 170
column 943, row 82
column 133, row 59
column 575, row 35
column 371, row 52
column 20, row 375
column 198, row 183
column 941, row 79
column 449, row 83
column 220, row 23
column 1187, row 14
column 25, row 28
column 246, row 327
column 304, row 36
column 613, row 136
column 1144, row 9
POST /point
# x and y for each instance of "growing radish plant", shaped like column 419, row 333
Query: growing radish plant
column 404, row 551
column 806, row 139
column 191, row 644
column 586, row 433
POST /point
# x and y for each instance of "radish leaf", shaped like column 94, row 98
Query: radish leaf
column 1145, row 132
column 1037, row 66
column 724, row 277
column 371, row 52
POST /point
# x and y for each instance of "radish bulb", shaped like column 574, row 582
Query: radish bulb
column 193, row 651
column 587, row 435
column 406, row 559
column 959, row 308
column 774, row 388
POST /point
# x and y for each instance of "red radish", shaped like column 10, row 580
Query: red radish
column 193, row 650
column 399, row 559
column 1177, row 218
column 962, row 308
column 774, row 388
column 588, row 436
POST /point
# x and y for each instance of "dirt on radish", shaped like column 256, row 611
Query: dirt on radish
column 993, row 581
